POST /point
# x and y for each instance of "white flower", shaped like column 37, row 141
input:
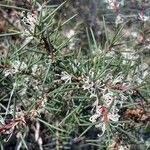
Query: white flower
column 103, row 116
column 112, row 4
column 19, row 66
column 8, row 72
column 99, row 113
column 99, row 110
column 110, row 102
column 129, row 54
column 134, row 34
column 23, row 91
column 108, row 98
column 29, row 20
column 142, row 17
column 94, row 118
column 119, row 19
column 65, row 76
column 103, row 128
column 34, row 69
column 87, row 83
column 124, row 147
column 121, row 99
column 113, row 117
column 91, row 73
column 16, row 66
column 110, row 53
column 69, row 33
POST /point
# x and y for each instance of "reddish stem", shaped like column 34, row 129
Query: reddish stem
column 104, row 110
column 120, row 87
column 9, row 125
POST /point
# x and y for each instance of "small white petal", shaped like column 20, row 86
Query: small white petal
column 94, row 118
column 103, row 128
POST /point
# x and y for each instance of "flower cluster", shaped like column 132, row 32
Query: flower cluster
column 106, row 106
column 29, row 20
column 21, row 117
column 114, row 4
column 119, row 19
column 90, row 85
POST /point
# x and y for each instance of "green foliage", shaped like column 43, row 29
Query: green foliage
column 48, row 90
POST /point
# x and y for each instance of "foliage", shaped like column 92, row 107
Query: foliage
column 55, row 96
